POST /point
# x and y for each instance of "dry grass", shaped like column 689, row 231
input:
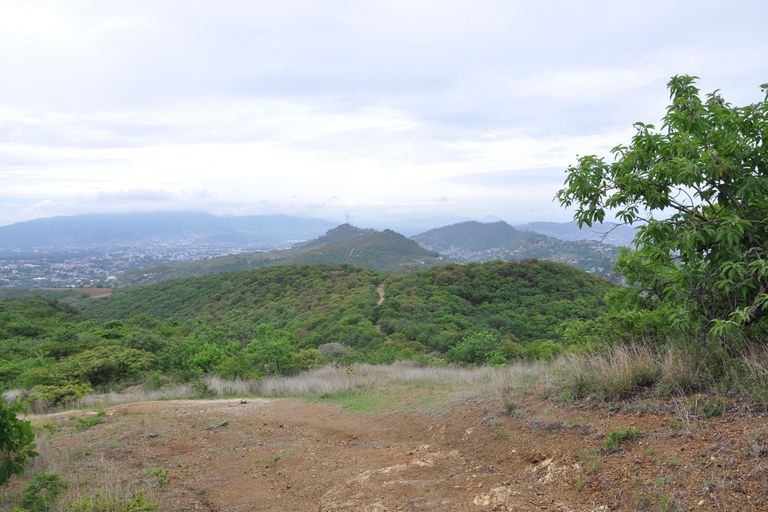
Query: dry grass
column 751, row 373
column 612, row 374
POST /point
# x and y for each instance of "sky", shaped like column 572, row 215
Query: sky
column 377, row 109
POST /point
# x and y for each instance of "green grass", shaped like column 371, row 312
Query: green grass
column 619, row 437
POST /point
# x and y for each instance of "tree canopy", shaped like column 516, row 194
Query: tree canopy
column 698, row 191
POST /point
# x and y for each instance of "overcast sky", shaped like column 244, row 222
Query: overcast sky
column 380, row 109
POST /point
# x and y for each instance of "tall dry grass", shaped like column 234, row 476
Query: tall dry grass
column 611, row 374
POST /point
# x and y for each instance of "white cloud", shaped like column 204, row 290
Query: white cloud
column 240, row 107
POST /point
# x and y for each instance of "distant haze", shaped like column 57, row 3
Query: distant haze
column 382, row 110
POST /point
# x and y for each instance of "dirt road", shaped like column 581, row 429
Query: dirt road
column 293, row 455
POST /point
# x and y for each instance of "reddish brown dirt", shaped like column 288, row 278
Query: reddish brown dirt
column 93, row 292
column 292, row 455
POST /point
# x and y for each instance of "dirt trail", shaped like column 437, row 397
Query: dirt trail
column 291, row 455
column 380, row 289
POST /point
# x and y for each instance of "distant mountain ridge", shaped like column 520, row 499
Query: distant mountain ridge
column 93, row 230
column 608, row 233
column 479, row 242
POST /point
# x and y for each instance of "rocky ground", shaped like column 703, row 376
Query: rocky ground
column 527, row 453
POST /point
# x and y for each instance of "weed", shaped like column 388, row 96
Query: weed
column 509, row 407
column 590, row 460
column 99, row 502
column 668, row 504
column 501, row 435
column 90, row 421
column 643, row 500
column 714, row 407
column 45, row 426
column 163, row 477
column 42, row 492
column 673, row 463
column 618, row 437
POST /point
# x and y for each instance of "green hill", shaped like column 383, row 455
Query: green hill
column 472, row 236
column 282, row 320
column 344, row 244
column 479, row 242
column 320, row 303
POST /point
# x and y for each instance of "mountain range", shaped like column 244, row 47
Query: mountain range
column 120, row 229
column 254, row 231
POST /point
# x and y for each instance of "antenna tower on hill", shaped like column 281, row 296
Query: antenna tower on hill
column 349, row 219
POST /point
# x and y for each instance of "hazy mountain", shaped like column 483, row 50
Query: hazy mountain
column 79, row 231
column 477, row 241
column 471, row 236
column 345, row 244
column 608, row 233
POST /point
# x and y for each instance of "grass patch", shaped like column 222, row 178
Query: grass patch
column 619, row 437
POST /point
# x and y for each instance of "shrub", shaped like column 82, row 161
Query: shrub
column 17, row 445
column 42, row 492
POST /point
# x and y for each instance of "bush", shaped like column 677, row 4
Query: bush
column 17, row 445
column 42, row 492
column 55, row 395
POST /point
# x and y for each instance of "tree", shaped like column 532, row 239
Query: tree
column 698, row 191
column 17, row 445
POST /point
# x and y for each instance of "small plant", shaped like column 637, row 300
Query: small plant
column 90, row 421
column 45, row 426
column 618, row 437
column 591, row 461
column 714, row 407
column 163, row 477
column 99, row 502
column 41, row 493
column 673, row 463
column 501, row 435
column 667, row 504
column 643, row 500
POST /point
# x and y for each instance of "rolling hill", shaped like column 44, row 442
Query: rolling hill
column 344, row 244
column 479, row 242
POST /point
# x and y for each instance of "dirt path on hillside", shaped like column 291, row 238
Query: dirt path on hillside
column 94, row 293
column 291, row 455
column 380, row 290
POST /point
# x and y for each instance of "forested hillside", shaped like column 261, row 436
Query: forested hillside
column 478, row 241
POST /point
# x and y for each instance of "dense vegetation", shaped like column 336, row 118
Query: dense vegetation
column 697, row 190
column 281, row 320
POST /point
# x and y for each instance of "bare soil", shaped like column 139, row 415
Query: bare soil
column 530, row 454
column 94, row 293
